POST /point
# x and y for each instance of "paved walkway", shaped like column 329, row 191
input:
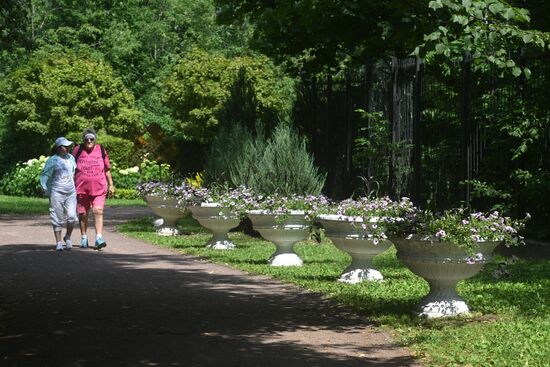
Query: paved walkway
column 135, row 304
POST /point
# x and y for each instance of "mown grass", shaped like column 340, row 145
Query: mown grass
column 509, row 326
column 28, row 205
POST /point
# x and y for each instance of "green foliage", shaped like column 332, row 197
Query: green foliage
column 486, row 28
column 280, row 165
column 126, row 194
column 234, row 157
column 286, row 166
column 201, row 85
column 320, row 34
column 24, row 178
column 373, row 151
column 58, row 93
column 147, row 170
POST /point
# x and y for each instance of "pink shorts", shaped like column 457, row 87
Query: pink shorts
column 84, row 202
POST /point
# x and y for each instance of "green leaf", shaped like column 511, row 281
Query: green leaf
column 509, row 14
column 516, row 71
column 527, row 38
column 527, row 72
column 440, row 48
column 435, row 4
column 496, row 8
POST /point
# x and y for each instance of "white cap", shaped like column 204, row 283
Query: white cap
column 61, row 141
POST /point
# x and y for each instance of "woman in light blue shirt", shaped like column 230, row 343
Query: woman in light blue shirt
column 57, row 180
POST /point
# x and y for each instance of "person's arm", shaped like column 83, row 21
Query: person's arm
column 108, row 176
column 46, row 176
column 110, row 182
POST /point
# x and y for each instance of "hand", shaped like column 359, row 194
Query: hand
column 111, row 191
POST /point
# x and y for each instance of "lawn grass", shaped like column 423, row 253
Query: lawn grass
column 509, row 325
column 28, row 205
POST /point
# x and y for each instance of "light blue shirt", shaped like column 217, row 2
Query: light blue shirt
column 58, row 174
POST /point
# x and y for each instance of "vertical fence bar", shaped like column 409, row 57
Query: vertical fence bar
column 465, row 105
column 417, row 132
column 391, row 117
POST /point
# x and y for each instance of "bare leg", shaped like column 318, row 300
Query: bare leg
column 83, row 220
column 70, row 228
column 57, row 236
column 98, row 219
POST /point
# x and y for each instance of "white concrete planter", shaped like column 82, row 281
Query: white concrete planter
column 442, row 265
column 284, row 235
column 348, row 236
column 218, row 220
column 170, row 212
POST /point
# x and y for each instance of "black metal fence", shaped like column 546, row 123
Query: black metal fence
column 448, row 125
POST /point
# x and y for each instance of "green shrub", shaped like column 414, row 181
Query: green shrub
column 126, row 194
column 57, row 92
column 201, row 85
column 24, row 178
column 281, row 164
column 234, row 156
column 287, row 167
column 128, row 178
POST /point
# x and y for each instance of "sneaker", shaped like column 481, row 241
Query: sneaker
column 83, row 242
column 100, row 243
column 59, row 247
column 68, row 243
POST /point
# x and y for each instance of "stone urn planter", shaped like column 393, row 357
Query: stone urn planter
column 283, row 234
column 349, row 236
column 218, row 220
column 442, row 264
column 168, row 209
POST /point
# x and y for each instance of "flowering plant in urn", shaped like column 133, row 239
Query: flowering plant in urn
column 449, row 247
column 220, row 209
column 285, row 220
column 168, row 200
column 238, row 200
column 461, row 228
column 373, row 215
column 282, row 206
column 358, row 227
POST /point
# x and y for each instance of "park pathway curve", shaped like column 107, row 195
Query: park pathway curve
column 135, row 304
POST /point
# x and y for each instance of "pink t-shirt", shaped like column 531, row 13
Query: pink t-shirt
column 90, row 172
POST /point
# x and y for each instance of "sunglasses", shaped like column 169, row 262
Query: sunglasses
column 89, row 139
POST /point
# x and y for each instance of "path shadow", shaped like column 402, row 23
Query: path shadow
column 143, row 309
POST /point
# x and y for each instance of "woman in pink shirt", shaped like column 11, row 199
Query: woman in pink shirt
column 93, row 181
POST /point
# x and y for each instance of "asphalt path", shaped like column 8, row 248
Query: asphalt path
column 136, row 304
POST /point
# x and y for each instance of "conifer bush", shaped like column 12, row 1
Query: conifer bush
column 281, row 164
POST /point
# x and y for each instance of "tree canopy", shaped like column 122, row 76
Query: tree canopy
column 57, row 93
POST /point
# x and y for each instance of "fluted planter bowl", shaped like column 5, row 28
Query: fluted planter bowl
column 442, row 264
column 219, row 220
column 349, row 236
column 168, row 209
column 283, row 234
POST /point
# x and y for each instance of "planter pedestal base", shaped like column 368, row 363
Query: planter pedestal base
column 442, row 301
column 355, row 275
column 220, row 244
column 168, row 231
column 285, row 260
